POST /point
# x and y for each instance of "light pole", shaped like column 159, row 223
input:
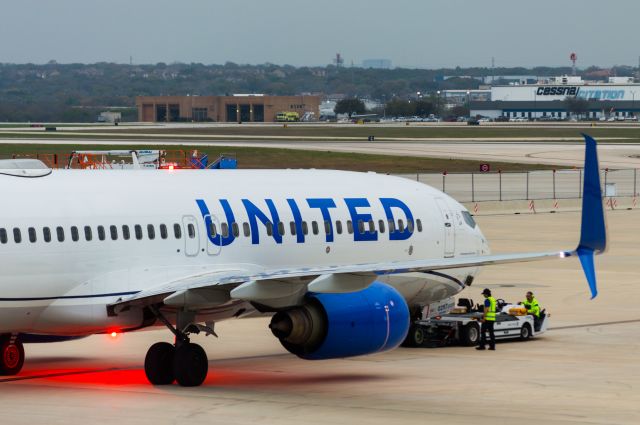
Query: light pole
column 438, row 103
column 384, row 106
column 469, row 102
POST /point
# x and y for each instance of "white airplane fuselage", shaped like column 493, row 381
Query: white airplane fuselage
column 62, row 284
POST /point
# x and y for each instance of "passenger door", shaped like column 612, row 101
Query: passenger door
column 449, row 229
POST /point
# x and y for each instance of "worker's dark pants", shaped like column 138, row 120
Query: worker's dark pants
column 487, row 326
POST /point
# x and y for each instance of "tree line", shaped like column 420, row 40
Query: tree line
column 78, row 92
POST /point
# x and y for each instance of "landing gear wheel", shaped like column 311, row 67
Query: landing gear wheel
column 470, row 334
column 190, row 365
column 158, row 364
column 11, row 356
column 414, row 338
column 525, row 332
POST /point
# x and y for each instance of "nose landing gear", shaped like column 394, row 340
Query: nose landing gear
column 184, row 362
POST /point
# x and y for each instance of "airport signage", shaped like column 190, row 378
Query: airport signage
column 558, row 91
column 583, row 93
column 485, row 168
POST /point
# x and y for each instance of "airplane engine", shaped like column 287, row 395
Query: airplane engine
column 331, row 326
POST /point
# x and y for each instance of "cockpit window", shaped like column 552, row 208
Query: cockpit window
column 469, row 219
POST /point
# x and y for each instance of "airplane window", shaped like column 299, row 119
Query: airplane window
column 327, row 227
column 269, row 226
column 305, row 228
column 400, row 226
column 314, row 226
column 224, row 230
column 177, row 231
column 392, row 226
column 212, row 229
column 87, row 233
column 32, row 234
column 114, row 232
column 151, row 231
column 469, row 219
column 292, row 226
column 46, row 233
column 410, row 225
column 381, row 225
column 138, row 230
column 126, row 235
column 163, row 231
column 101, row 233
column 17, row 235
column 338, row 227
column 361, row 227
column 235, row 229
column 191, row 230
column 246, row 228
column 419, row 225
column 281, row 228
column 350, row 226
column 372, row 226
column 3, row 236
column 75, row 236
column 60, row 233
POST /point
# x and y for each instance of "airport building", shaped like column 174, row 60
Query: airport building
column 235, row 108
column 618, row 98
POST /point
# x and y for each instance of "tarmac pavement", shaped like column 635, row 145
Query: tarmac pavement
column 583, row 371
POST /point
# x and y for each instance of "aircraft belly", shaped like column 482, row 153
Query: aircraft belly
column 425, row 288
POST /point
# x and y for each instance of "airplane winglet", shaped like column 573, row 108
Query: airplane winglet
column 593, row 231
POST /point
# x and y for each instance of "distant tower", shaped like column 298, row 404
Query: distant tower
column 339, row 60
column 573, row 58
column 493, row 69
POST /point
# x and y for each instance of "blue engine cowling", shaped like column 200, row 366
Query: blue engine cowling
column 331, row 326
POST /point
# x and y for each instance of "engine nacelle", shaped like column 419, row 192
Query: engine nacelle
column 331, row 326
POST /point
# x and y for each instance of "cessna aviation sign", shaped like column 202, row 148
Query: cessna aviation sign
column 581, row 92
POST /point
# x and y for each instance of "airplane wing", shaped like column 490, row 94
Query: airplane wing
column 245, row 285
column 332, row 279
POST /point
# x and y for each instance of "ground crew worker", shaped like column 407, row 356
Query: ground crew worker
column 488, row 320
column 532, row 306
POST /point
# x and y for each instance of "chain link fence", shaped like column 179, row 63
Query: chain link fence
column 515, row 186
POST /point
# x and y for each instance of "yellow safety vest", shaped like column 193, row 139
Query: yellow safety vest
column 490, row 314
column 532, row 307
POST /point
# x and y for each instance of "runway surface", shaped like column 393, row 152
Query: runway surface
column 569, row 153
column 584, row 371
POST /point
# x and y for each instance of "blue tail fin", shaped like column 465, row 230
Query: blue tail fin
column 593, row 231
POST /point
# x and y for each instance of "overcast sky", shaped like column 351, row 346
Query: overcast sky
column 411, row 33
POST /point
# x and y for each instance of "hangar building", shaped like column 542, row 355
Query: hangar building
column 619, row 98
column 236, row 108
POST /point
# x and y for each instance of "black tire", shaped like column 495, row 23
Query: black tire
column 158, row 364
column 190, row 365
column 470, row 334
column 525, row 332
column 11, row 356
column 415, row 337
